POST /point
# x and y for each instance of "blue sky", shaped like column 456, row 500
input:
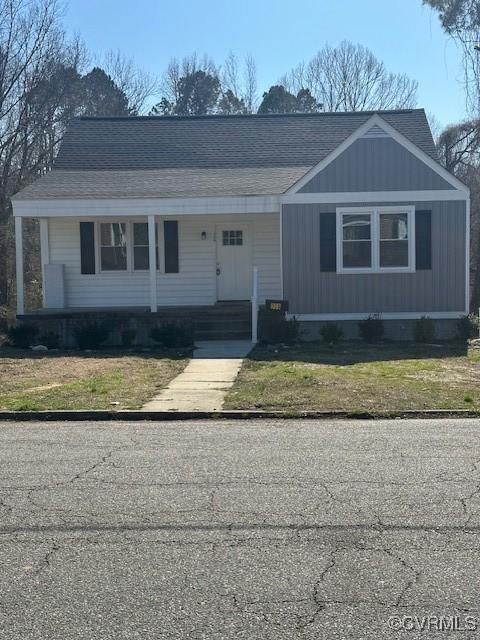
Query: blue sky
column 279, row 33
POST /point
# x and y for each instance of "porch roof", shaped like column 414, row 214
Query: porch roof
column 165, row 183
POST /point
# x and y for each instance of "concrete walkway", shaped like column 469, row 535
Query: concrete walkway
column 203, row 384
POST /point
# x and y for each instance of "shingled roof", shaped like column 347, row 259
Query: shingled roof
column 163, row 157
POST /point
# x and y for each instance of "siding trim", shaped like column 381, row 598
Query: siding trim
column 93, row 207
column 376, row 120
column 118, row 208
column 374, row 196
column 400, row 315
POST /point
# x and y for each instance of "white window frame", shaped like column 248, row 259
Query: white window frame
column 98, row 241
column 129, row 233
column 374, row 213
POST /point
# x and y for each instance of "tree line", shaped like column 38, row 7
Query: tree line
column 344, row 78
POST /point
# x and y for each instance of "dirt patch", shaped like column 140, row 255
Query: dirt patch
column 83, row 381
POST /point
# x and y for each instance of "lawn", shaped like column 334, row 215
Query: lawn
column 76, row 380
column 358, row 377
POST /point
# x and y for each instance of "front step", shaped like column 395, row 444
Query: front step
column 222, row 335
column 225, row 323
column 235, row 330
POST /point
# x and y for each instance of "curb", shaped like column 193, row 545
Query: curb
column 164, row 416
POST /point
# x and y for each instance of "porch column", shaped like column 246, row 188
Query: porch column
column 44, row 253
column 19, row 265
column 152, row 257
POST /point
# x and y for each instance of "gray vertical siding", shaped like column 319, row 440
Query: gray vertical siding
column 308, row 290
column 375, row 164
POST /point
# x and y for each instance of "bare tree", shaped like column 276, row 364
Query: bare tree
column 135, row 83
column 461, row 20
column 229, row 74
column 237, row 84
column 435, row 126
column 41, row 89
column 32, row 48
column 241, row 82
column 458, row 149
column 178, row 69
column 250, row 80
column 350, row 78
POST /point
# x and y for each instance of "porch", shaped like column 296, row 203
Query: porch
column 157, row 263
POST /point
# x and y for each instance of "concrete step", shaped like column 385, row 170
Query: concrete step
column 222, row 335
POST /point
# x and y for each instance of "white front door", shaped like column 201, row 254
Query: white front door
column 234, row 268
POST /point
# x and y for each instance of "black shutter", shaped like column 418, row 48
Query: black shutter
column 423, row 240
column 87, row 247
column 170, row 235
column 328, row 242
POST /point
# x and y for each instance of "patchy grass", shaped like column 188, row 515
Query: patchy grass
column 77, row 380
column 358, row 377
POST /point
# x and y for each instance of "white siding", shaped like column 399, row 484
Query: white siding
column 195, row 284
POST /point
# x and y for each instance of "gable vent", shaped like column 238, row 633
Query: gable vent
column 375, row 132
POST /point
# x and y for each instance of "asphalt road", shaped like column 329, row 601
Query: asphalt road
column 278, row 530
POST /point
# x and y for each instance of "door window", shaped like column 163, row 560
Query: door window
column 232, row 238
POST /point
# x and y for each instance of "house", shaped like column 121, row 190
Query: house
column 342, row 215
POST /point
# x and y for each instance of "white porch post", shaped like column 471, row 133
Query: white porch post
column 255, row 306
column 44, row 252
column 19, row 265
column 152, row 256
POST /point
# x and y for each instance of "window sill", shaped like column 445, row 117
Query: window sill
column 379, row 271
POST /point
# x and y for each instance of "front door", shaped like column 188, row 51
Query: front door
column 234, row 270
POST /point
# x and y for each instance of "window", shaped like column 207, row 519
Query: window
column 357, row 241
column 141, row 259
column 231, row 238
column 123, row 246
column 373, row 240
column 113, row 246
column 393, row 239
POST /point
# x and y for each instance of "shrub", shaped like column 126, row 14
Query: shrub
column 22, row 335
column 50, row 339
column 424, row 329
column 331, row 333
column 128, row 337
column 467, row 326
column 172, row 335
column 371, row 329
column 3, row 319
column 274, row 328
column 91, row 335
